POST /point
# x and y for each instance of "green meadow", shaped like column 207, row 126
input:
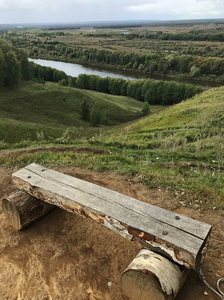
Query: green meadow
column 177, row 148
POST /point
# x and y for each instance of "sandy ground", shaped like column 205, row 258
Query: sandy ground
column 64, row 256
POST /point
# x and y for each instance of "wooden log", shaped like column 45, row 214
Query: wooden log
column 152, row 276
column 21, row 209
column 180, row 238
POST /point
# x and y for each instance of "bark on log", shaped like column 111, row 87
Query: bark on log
column 152, row 276
column 21, row 209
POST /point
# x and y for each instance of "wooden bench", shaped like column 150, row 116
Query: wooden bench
column 173, row 243
column 178, row 237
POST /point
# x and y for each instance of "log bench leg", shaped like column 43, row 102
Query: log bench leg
column 21, row 209
column 152, row 276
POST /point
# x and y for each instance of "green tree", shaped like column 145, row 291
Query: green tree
column 138, row 93
column 24, row 65
column 115, row 85
column 168, row 93
column 153, row 92
column 12, row 69
column 104, row 118
column 85, row 111
column 184, row 62
column 195, row 71
column 124, row 88
column 63, row 82
column 131, row 89
column 82, row 81
column 2, row 68
column 95, row 116
column 71, row 81
column 102, row 85
column 159, row 91
column 58, row 75
column 148, row 98
column 92, row 82
column 145, row 109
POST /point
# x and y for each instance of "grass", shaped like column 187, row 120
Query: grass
column 45, row 111
column 199, row 187
column 190, row 131
column 179, row 148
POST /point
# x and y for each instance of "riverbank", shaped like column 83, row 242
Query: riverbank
column 74, row 68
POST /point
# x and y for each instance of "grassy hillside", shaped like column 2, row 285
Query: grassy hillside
column 46, row 111
column 179, row 149
column 190, row 131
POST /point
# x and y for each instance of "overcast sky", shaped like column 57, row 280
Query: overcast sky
column 30, row 11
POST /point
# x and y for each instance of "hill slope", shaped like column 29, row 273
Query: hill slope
column 51, row 109
column 178, row 149
column 191, row 130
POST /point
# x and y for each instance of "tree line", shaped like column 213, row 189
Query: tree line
column 148, row 63
column 194, row 35
column 190, row 64
column 14, row 66
column 42, row 73
column 148, row 90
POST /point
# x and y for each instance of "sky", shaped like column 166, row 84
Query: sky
column 75, row 11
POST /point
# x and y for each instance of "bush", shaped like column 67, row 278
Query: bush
column 145, row 109
column 85, row 111
column 95, row 116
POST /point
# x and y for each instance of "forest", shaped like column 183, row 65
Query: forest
column 15, row 66
column 195, row 51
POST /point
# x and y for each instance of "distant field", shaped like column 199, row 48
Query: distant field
column 115, row 39
column 192, row 50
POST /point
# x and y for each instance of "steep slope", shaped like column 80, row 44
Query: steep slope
column 179, row 149
column 51, row 109
column 191, row 130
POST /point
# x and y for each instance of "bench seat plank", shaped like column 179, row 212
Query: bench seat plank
column 179, row 237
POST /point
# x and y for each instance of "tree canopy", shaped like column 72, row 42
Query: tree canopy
column 14, row 65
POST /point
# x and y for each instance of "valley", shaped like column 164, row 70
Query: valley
column 97, row 129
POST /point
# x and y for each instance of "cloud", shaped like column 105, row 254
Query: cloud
column 23, row 11
column 65, row 10
column 35, row 4
column 174, row 9
column 13, row 4
column 17, row 5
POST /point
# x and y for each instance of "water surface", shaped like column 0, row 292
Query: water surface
column 75, row 69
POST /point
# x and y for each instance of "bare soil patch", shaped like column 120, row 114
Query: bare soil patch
column 64, row 256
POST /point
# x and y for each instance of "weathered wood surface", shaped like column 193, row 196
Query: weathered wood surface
column 21, row 209
column 152, row 276
column 178, row 237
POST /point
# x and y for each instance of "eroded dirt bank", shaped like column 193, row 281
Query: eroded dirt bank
column 64, row 256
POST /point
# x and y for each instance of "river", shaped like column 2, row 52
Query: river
column 75, row 69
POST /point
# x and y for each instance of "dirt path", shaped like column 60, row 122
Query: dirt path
column 63, row 256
